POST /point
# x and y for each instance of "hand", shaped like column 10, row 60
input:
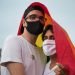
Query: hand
column 59, row 69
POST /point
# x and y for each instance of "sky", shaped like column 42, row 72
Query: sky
column 11, row 11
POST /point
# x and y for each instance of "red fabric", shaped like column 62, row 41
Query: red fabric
column 64, row 47
column 65, row 54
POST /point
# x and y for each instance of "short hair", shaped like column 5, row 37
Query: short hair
column 30, row 8
column 48, row 27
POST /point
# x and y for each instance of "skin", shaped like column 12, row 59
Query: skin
column 18, row 68
column 31, row 38
column 48, row 34
column 53, row 58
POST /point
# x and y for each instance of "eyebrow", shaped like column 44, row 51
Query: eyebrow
column 35, row 15
column 52, row 36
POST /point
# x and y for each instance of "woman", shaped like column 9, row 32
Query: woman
column 49, row 49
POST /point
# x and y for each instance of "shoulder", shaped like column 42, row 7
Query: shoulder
column 12, row 41
column 12, row 38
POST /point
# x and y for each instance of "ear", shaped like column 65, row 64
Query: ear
column 24, row 23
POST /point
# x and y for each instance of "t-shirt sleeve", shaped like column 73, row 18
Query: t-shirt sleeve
column 11, row 51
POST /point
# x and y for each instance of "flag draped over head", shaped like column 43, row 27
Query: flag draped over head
column 46, row 15
column 64, row 47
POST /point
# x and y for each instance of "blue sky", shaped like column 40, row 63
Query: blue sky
column 11, row 11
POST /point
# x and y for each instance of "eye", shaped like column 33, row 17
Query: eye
column 45, row 37
column 42, row 18
column 32, row 17
column 51, row 37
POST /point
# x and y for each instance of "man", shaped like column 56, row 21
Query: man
column 20, row 54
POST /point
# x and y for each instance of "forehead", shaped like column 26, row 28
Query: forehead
column 37, row 12
column 48, row 33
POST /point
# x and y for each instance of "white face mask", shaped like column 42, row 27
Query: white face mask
column 49, row 47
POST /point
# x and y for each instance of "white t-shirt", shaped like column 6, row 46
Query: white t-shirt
column 18, row 49
column 47, row 70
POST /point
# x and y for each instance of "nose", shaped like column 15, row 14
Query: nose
column 47, row 37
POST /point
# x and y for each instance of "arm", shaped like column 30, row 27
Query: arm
column 11, row 56
column 15, row 68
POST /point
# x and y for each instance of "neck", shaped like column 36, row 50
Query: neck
column 29, row 37
column 53, row 58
